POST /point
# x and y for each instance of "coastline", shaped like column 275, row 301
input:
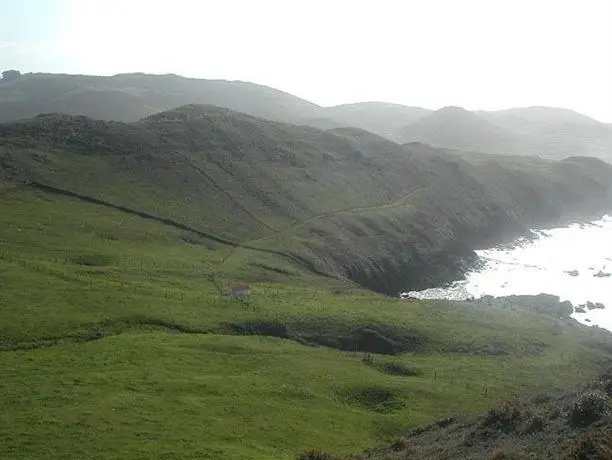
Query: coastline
column 544, row 263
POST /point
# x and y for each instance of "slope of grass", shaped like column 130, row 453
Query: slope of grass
column 119, row 342
column 346, row 202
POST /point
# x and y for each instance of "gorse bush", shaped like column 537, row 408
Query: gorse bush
column 503, row 454
column 593, row 445
column 504, row 417
column 395, row 368
column 400, row 444
column 315, row 454
column 589, row 407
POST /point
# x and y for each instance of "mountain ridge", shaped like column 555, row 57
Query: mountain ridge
column 549, row 132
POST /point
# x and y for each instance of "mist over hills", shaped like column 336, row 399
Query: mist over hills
column 544, row 131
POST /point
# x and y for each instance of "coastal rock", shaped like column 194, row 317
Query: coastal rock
column 595, row 306
column 545, row 304
column 572, row 272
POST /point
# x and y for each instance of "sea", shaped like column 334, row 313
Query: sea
column 572, row 262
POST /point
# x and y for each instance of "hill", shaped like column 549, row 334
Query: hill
column 129, row 97
column 457, row 128
column 557, row 132
column 380, row 118
column 524, row 119
column 345, row 202
column 120, row 243
column 549, row 132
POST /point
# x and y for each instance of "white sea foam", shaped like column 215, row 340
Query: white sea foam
column 571, row 262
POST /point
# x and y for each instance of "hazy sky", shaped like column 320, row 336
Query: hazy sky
column 479, row 54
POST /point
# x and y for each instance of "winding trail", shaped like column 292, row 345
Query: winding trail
column 252, row 245
column 395, row 203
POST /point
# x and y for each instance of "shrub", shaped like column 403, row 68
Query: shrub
column 315, row 454
column 444, row 422
column 393, row 368
column 502, row 454
column 534, row 425
column 399, row 444
column 589, row 407
column 504, row 417
column 93, row 260
column 593, row 445
column 11, row 75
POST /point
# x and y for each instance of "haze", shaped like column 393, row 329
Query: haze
column 476, row 54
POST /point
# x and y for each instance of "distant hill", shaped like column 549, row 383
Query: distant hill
column 544, row 131
column 129, row 97
column 345, row 202
column 381, row 118
column 557, row 132
column 457, row 128
column 521, row 119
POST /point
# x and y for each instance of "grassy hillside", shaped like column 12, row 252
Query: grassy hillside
column 119, row 244
column 118, row 341
column 344, row 202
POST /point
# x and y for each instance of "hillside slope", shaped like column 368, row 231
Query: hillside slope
column 344, row 202
column 117, row 341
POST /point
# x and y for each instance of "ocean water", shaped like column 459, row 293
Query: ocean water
column 573, row 262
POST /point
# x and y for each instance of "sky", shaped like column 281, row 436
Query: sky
column 477, row 54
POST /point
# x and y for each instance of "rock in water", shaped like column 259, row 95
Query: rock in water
column 595, row 306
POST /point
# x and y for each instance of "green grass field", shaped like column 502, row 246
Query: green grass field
column 118, row 341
